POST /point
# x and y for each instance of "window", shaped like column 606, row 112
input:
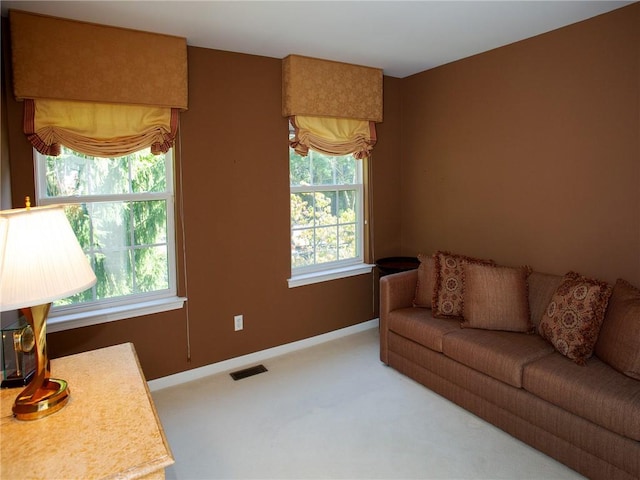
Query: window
column 121, row 209
column 326, row 213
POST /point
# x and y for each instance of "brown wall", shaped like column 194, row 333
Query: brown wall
column 530, row 153
column 234, row 166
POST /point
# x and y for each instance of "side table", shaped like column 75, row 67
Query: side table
column 389, row 265
column 109, row 428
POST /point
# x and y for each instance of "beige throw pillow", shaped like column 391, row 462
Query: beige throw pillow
column 575, row 313
column 619, row 340
column 496, row 298
column 426, row 281
column 448, row 292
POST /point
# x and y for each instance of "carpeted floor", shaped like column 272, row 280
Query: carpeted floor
column 335, row 411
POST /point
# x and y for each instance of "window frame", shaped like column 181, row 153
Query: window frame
column 316, row 273
column 95, row 312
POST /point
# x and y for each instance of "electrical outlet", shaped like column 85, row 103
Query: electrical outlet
column 238, row 322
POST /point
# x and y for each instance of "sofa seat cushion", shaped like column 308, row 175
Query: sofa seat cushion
column 419, row 325
column 593, row 391
column 501, row 355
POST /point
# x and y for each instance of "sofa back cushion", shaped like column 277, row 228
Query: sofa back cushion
column 619, row 340
column 542, row 286
column 496, row 298
column 426, row 281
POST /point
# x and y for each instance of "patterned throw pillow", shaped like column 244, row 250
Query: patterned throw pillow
column 574, row 316
column 497, row 298
column 619, row 339
column 448, row 292
column 426, row 281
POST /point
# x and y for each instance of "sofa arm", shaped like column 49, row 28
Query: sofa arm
column 396, row 291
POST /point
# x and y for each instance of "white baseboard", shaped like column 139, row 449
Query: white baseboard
column 238, row 362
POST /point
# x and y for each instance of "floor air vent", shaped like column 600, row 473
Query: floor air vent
column 248, row 372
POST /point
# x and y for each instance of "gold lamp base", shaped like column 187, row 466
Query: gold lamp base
column 48, row 399
column 43, row 395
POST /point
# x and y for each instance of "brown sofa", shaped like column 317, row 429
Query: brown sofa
column 585, row 416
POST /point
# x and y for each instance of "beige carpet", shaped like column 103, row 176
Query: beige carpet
column 335, row 411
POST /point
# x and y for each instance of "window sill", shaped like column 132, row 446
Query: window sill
column 60, row 323
column 327, row 275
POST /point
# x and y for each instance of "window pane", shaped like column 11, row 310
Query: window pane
column 80, row 222
column 114, row 272
column 325, row 206
column 299, row 169
column 74, row 173
column 347, row 242
column 107, row 176
column 150, row 222
column 148, row 172
column 347, row 206
column 302, row 210
column 111, row 224
column 322, row 168
column 302, row 251
column 152, row 269
column 326, row 244
column 66, row 175
column 346, row 171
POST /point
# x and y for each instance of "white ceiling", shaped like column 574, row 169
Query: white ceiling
column 401, row 37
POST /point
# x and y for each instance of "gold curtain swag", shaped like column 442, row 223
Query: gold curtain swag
column 333, row 136
column 98, row 129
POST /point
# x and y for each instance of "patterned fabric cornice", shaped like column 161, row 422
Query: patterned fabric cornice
column 324, row 88
column 60, row 59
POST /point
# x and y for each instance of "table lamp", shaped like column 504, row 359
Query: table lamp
column 40, row 261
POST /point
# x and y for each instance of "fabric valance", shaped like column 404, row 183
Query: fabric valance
column 333, row 136
column 323, row 88
column 61, row 59
column 104, row 130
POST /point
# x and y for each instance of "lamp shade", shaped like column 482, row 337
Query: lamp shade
column 40, row 258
